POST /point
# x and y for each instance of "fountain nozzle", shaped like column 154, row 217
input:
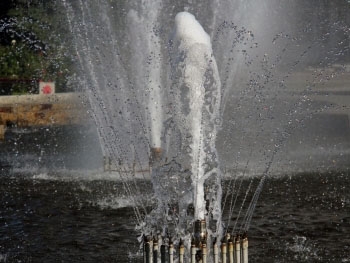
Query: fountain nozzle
column 200, row 232
column 156, row 154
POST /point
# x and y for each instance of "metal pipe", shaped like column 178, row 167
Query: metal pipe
column 216, row 251
column 224, row 251
column 155, row 250
column 234, row 249
column 147, row 256
column 230, row 250
column 150, row 250
column 204, row 253
column 182, row 252
column 162, row 253
column 200, row 232
column 238, row 249
column 156, row 155
column 193, row 252
column 245, row 248
column 171, row 252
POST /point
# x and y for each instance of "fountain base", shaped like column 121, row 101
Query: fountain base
column 234, row 249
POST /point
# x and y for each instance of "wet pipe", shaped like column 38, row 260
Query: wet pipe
column 234, row 249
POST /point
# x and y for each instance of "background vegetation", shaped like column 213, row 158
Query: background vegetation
column 34, row 45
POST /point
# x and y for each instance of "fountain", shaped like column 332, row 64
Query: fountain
column 197, row 97
column 161, row 89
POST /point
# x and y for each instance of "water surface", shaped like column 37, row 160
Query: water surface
column 50, row 218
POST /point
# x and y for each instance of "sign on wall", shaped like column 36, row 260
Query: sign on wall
column 46, row 87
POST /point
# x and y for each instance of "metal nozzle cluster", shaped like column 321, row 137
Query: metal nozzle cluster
column 234, row 249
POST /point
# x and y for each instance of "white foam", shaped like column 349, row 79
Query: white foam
column 189, row 31
column 113, row 202
column 83, row 175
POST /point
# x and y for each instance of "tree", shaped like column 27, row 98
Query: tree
column 33, row 46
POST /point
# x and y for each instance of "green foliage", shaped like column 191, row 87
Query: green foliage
column 19, row 61
column 37, row 22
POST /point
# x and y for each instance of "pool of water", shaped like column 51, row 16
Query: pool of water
column 65, row 218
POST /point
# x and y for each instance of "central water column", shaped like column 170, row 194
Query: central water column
column 197, row 96
column 196, row 114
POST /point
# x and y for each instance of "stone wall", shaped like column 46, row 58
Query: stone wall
column 41, row 110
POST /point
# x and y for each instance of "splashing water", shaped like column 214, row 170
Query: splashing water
column 156, row 80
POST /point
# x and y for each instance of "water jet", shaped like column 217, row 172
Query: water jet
column 175, row 94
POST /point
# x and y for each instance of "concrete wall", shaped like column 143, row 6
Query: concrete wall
column 41, row 110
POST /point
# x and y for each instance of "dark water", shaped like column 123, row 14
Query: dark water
column 51, row 147
column 47, row 218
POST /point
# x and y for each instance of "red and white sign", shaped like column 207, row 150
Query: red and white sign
column 46, row 88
